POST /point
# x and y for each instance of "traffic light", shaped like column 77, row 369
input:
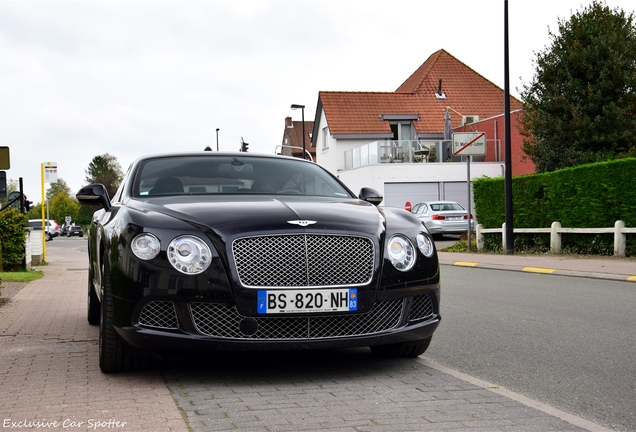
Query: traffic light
column 3, row 184
column 244, row 146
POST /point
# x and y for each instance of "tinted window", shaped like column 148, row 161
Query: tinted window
column 190, row 175
column 446, row 207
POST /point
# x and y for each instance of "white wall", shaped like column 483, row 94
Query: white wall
column 326, row 158
column 375, row 176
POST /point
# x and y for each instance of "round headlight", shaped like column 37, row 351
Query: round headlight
column 189, row 254
column 145, row 246
column 425, row 245
column 401, row 253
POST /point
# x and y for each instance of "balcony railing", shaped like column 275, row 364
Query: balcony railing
column 395, row 151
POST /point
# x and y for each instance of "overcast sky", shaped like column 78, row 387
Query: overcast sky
column 83, row 78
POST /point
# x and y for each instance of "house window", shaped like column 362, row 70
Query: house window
column 402, row 131
column 325, row 135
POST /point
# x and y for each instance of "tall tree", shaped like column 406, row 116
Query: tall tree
column 61, row 205
column 105, row 169
column 580, row 106
column 60, row 186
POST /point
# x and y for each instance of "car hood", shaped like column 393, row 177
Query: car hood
column 264, row 214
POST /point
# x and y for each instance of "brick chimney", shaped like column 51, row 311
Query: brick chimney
column 288, row 122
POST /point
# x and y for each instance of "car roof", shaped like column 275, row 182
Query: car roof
column 438, row 202
column 219, row 154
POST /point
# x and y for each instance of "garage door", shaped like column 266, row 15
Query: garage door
column 457, row 191
column 397, row 194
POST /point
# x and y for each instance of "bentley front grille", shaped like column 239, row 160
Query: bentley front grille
column 159, row 314
column 221, row 320
column 302, row 260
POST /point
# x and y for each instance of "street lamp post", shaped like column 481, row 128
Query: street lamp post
column 217, row 139
column 509, row 246
column 302, row 108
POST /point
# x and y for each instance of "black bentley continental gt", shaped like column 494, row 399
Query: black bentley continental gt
column 236, row 251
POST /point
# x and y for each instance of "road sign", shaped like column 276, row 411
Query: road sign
column 50, row 172
column 469, row 143
column 5, row 159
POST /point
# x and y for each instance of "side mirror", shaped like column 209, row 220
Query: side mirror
column 370, row 195
column 94, row 194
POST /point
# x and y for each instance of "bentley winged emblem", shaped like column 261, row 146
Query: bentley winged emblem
column 302, row 222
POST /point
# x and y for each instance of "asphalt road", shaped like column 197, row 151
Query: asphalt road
column 568, row 342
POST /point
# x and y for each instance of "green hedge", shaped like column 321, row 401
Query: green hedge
column 12, row 237
column 586, row 196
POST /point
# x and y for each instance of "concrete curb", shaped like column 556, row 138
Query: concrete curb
column 544, row 270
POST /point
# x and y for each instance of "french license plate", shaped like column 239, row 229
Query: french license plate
column 455, row 218
column 307, row 301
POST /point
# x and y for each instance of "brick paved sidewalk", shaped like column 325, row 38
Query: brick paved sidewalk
column 49, row 367
column 50, row 380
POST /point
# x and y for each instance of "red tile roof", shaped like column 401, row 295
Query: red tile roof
column 295, row 133
column 466, row 92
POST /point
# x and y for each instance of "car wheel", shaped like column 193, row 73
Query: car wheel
column 402, row 349
column 114, row 354
column 94, row 307
column 48, row 237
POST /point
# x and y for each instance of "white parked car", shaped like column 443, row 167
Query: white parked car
column 52, row 227
column 443, row 217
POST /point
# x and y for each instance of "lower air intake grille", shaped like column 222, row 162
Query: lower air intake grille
column 159, row 314
column 220, row 320
column 422, row 307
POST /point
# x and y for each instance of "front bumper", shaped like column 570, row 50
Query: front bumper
column 163, row 325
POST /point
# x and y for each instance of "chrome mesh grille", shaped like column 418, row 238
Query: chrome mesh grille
column 220, row 320
column 159, row 314
column 421, row 307
column 303, row 260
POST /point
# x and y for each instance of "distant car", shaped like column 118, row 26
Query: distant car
column 238, row 251
column 443, row 217
column 64, row 230
column 52, row 227
column 75, row 230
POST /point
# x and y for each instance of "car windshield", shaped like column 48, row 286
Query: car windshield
column 446, row 207
column 190, row 175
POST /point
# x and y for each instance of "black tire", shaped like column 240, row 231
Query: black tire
column 403, row 349
column 94, row 308
column 114, row 354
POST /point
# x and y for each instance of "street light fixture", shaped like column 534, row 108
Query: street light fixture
column 302, row 107
column 217, row 139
